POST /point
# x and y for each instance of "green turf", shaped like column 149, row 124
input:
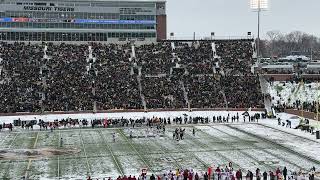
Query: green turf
column 99, row 156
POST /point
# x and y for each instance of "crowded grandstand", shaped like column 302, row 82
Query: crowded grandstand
column 96, row 90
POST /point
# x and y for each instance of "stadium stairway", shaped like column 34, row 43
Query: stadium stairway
column 143, row 100
column 43, row 78
column 225, row 99
column 254, row 54
column 264, row 85
column 185, row 93
column 133, row 55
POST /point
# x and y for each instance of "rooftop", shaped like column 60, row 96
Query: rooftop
column 101, row 0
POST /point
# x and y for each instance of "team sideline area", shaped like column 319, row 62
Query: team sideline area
column 77, row 151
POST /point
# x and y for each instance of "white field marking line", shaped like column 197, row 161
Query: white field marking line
column 30, row 160
column 145, row 126
column 5, row 138
column 166, row 152
column 119, row 130
column 59, row 156
column 184, row 151
column 13, row 141
column 85, row 152
column 109, row 148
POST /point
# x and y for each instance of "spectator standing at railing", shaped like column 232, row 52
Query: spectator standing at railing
column 239, row 175
column 265, row 175
column 285, row 173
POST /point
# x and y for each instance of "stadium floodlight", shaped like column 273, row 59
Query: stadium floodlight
column 258, row 6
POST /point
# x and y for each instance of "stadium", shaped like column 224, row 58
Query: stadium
column 98, row 89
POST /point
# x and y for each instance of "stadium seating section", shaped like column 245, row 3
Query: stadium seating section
column 171, row 75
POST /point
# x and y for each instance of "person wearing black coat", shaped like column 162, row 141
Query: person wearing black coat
column 152, row 177
column 285, row 172
column 265, row 175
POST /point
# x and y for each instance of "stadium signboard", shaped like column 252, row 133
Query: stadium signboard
column 46, row 8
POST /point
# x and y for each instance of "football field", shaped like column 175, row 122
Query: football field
column 78, row 153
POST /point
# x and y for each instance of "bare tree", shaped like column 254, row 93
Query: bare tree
column 278, row 44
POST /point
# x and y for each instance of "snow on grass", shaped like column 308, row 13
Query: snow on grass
column 288, row 140
column 213, row 144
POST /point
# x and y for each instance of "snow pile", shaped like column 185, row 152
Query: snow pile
column 289, row 92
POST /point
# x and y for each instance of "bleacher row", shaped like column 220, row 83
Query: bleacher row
column 65, row 77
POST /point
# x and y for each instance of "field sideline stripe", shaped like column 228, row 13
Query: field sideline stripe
column 115, row 159
column 142, row 127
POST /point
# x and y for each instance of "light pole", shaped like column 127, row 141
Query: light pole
column 258, row 6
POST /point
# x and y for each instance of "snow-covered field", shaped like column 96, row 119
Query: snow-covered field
column 248, row 145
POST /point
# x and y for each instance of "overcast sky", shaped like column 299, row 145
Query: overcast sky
column 235, row 18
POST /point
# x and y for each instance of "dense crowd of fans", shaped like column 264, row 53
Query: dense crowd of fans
column 116, row 85
column 298, row 105
column 163, row 92
column 222, row 173
column 64, row 77
column 236, row 56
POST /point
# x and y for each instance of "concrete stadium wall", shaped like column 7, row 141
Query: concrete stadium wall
column 278, row 77
column 124, row 111
column 308, row 115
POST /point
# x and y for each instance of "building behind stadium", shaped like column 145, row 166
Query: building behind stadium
column 82, row 20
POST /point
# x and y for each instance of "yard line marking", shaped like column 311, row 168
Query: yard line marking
column 30, row 160
column 189, row 152
column 165, row 151
column 59, row 155
column 242, row 152
column 35, row 142
column 10, row 161
column 110, row 150
column 85, row 153
column 141, row 157
column 222, row 142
